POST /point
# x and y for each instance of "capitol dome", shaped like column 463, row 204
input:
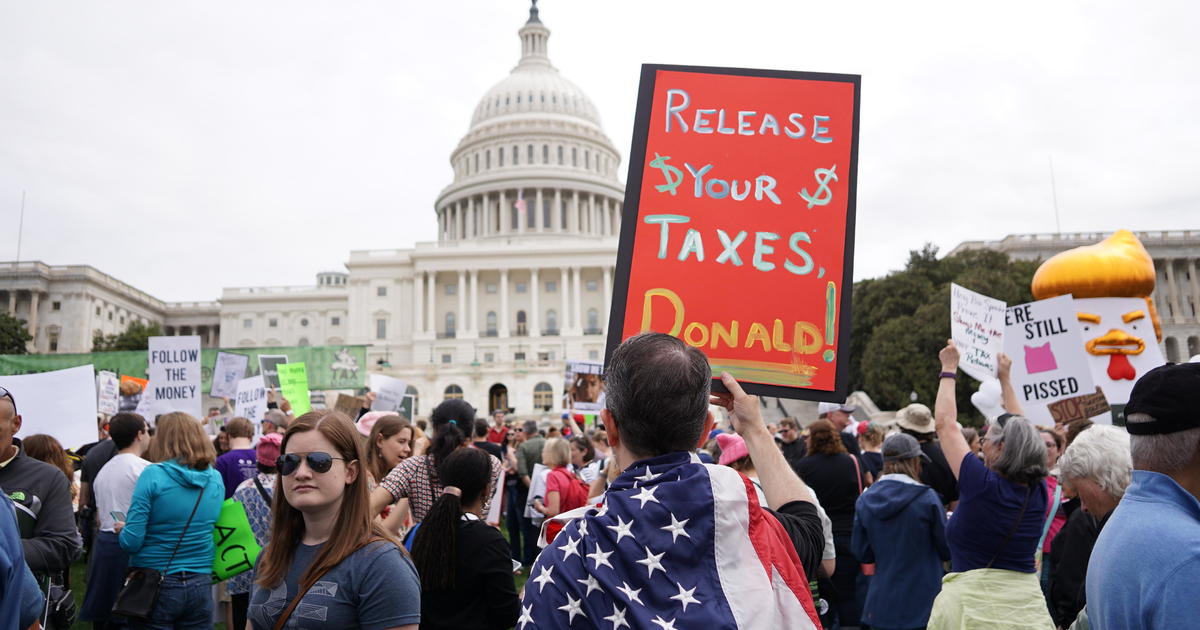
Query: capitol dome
column 535, row 159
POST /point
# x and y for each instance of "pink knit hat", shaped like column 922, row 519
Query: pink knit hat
column 733, row 448
column 366, row 422
column 267, row 451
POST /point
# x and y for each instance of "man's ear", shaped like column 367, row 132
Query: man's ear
column 610, row 428
column 709, row 422
column 16, row 425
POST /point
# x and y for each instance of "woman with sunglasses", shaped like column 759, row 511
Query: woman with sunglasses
column 329, row 564
column 415, row 478
column 466, row 573
column 995, row 529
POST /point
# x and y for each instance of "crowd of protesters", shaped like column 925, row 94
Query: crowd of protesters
column 376, row 521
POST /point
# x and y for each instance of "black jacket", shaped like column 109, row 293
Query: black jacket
column 45, row 515
column 1069, row 554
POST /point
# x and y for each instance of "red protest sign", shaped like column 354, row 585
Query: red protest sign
column 738, row 223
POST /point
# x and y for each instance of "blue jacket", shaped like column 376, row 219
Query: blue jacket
column 162, row 500
column 899, row 525
column 1145, row 567
column 21, row 598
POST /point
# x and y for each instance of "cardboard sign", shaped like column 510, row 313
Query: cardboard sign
column 584, row 386
column 348, row 405
column 268, row 366
column 60, row 403
column 293, row 384
column 173, row 364
column 1048, row 361
column 977, row 327
column 1079, row 407
column 228, row 369
column 389, row 392
column 251, row 401
column 236, row 547
column 738, row 224
column 108, row 392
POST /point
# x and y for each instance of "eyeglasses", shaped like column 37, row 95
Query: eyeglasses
column 318, row 462
column 4, row 393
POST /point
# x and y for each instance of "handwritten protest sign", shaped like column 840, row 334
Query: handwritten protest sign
column 1079, row 407
column 977, row 327
column 389, row 392
column 60, row 403
column 1047, row 353
column 251, row 401
column 173, row 364
column 268, row 366
column 228, row 369
column 236, row 546
column 108, row 391
column 349, row 405
column 293, row 384
column 738, row 225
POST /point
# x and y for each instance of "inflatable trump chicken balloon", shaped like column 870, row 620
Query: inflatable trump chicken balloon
column 1112, row 282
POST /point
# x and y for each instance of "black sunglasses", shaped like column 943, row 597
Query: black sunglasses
column 4, row 393
column 318, row 462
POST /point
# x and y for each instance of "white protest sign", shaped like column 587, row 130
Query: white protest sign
column 251, row 399
column 389, row 392
column 977, row 327
column 1046, row 348
column 268, row 366
column 173, row 365
column 61, row 403
column 107, row 391
column 228, row 369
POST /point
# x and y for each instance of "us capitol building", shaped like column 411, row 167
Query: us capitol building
column 518, row 281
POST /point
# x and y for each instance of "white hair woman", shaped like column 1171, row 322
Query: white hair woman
column 996, row 527
column 1098, row 467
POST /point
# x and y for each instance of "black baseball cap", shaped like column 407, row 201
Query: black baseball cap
column 1171, row 395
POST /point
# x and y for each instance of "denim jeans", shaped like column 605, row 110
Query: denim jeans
column 184, row 603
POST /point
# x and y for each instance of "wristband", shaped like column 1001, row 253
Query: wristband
column 953, row 375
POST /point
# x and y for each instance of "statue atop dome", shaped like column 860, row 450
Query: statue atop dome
column 533, row 14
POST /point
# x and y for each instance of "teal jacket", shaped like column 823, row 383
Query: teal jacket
column 162, row 500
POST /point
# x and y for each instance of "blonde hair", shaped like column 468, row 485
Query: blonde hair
column 556, row 452
column 178, row 436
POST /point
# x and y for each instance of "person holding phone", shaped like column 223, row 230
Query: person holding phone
column 113, row 489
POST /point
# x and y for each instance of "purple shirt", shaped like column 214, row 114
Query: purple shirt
column 236, row 467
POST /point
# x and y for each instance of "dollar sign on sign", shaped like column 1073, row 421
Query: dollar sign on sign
column 673, row 175
column 823, row 194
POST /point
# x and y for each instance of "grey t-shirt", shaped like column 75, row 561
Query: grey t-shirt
column 376, row 587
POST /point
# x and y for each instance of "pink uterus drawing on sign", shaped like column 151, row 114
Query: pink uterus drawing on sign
column 1040, row 359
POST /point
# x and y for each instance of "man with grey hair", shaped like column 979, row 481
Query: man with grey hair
column 1097, row 467
column 1145, row 567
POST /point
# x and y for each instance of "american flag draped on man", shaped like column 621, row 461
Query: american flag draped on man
column 675, row 544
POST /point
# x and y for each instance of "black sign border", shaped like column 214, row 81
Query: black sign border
column 629, row 214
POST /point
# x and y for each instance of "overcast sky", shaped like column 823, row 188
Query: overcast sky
column 188, row 146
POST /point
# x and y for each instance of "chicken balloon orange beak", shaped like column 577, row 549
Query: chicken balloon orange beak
column 1115, row 341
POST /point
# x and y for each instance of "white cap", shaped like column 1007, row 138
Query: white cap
column 827, row 407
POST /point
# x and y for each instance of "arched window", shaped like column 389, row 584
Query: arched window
column 516, row 155
column 529, row 154
column 574, row 156
column 545, row 154
column 593, row 320
column 587, row 159
column 521, row 328
column 1172, row 349
column 552, row 321
column 543, row 396
column 491, row 324
column 500, row 156
column 453, row 392
column 450, row 324
column 303, row 342
column 516, row 220
column 476, row 162
column 560, row 154
column 562, row 210
column 416, row 397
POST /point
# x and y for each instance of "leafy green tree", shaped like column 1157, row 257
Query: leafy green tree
column 136, row 337
column 900, row 322
column 13, row 335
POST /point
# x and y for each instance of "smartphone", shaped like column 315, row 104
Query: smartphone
column 117, row 516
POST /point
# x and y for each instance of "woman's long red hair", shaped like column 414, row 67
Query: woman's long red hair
column 354, row 525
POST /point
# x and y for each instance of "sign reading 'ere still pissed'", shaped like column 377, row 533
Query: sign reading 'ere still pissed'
column 738, row 224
